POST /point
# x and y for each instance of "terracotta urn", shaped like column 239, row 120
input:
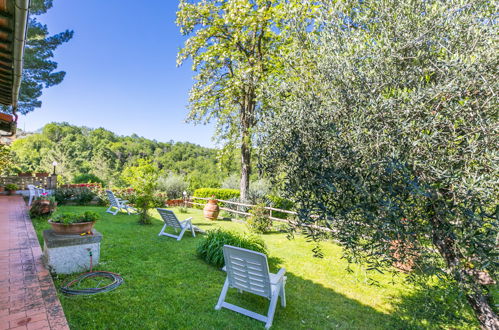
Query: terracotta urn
column 211, row 210
column 71, row 229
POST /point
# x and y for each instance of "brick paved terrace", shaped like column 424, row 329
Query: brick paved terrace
column 28, row 299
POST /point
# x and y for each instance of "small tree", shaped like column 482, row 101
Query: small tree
column 391, row 138
column 143, row 179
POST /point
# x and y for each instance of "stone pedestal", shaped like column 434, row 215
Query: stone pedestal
column 67, row 254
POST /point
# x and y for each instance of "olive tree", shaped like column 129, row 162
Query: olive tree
column 390, row 139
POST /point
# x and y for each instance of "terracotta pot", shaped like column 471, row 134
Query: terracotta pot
column 71, row 229
column 211, row 210
column 10, row 192
column 25, row 174
column 41, row 175
column 44, row 206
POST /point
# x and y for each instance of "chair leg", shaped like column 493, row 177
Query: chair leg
column 30, row 200
column 192, row 230
column 223, row 294
column 270, row 314
column 162, row 230
column 282, row 294
column 181, row 233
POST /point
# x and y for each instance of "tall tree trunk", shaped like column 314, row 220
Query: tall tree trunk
column 247, row 121
column 466, row 279
column 245, row 165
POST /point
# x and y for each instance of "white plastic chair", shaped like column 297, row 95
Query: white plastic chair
column 32, row 193
column 118, row 203
column 171, row 220
column 248, row 271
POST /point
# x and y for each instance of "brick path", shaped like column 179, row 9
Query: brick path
column 28, row 299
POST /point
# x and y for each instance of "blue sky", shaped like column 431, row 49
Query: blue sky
column 120, row 71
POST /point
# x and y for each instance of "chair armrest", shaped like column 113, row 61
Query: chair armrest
column 280, row 274
column 224, row 268
column 188, row 219
column 123, row 200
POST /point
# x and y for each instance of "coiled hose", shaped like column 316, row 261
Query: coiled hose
column 117, row 281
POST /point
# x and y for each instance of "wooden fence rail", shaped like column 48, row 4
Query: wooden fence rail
column 270, row 209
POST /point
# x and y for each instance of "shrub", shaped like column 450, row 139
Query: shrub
column 11, row 186
column 219, row 193
column 259, row 221
column 231, row 182
column 172, row 185
column 143, row 178
column 280, row 203
column 78, row 195
column 87, row 178
column 68, row 218
column 258, row 191
column 211, row 248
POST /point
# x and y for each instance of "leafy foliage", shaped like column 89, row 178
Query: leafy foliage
column 87, row 178
column 172, row 185
column 98, row 154
column 259, row 221
column 143, row 179
column 68, row 218
column 234, row 46
column 389, row 134
column 39, row 67
column 211, row 248
column 11, row 186
column 219, row 193
column 78, row 195
column 5, row 159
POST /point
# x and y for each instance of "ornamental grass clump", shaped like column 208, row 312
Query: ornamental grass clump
column 211, row 248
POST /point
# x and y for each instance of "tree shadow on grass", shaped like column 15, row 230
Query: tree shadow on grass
column 435, row 306
column 312, row 306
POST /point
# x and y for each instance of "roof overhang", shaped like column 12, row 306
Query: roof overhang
column 13, row 26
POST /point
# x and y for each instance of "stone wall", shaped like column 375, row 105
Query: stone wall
column 47, row 182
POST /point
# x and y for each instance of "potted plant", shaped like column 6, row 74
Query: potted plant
column 211, row 209
column 41, row 175
column 43, row 205
column 11, row 187
column 73, row 223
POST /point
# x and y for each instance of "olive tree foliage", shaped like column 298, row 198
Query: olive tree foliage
column 234, row 45
column 389, row 138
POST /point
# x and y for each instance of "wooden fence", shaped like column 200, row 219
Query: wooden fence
column 270, row 209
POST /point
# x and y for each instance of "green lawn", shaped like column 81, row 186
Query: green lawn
column 168, row 287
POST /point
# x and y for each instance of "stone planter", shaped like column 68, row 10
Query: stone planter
column 211, row 210
column 41, row 175
column 25, row 174
column 71, row 229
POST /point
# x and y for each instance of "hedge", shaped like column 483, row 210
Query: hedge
column 219, row 193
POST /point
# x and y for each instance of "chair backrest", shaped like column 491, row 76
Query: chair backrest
column 32, row 189
column 169, row 218
column 247, row 270
column 112, row 199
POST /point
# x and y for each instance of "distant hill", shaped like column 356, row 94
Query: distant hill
column 82, row 150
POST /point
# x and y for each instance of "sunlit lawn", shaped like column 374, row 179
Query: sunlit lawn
column 167, row 286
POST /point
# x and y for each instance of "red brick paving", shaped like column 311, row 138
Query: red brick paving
column 28, row 299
